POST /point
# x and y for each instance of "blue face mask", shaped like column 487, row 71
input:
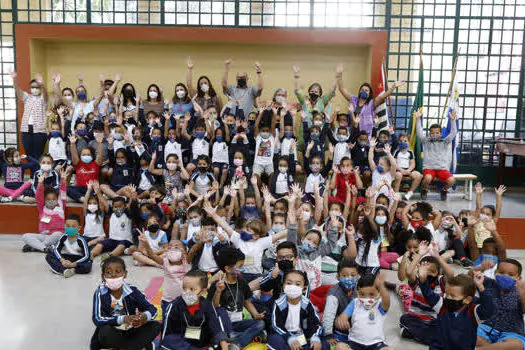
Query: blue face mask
column 71, row 231
column 505, row 282
column 237, row 272
column 171, row 138
column 55, row 134
column 81, row 95
column 380, row 169
column 86, row 159
column 219, row 138
column 277, row 229
column 245, row 236
column 144, row 216
column 403, row 145
column 288, row 134
column 314, row 137
column 82, row 132
column 199, row 134
column 250, row 208
column 348, row 283
column 363, row 95
column 112, row 120
column 118, row 137
column 156, row 138
column 307, row 247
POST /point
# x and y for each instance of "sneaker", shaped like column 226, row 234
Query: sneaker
column 444, row 195
column 394, row 266
column 49, row 249
column 409, row 195
column 406, row 334
column 233, row 346
column 424, row 194
column 69, row 272
column 21, row 198
column 126, row 251
column 466, row 262
column 27, row 249
column 6, row 199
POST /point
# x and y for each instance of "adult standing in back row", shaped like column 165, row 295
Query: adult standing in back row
column 242, row 94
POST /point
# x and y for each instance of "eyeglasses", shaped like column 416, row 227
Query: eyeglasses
column 286, row 257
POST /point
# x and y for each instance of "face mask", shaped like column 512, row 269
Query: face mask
column 285, row 265
column 118, row 212
column 128, row 93
column 237, row 272
column 112, row 120
column 69, row 98
column 195, row 221
column 380, row 220
column 345, row 171
column 82, row 132
column 153, row 95
column 241, row 82
column 342, row 138
column 86, row 159
column 453, row 305
column 292, row 291
column 92, row 208
column 403, row 145
column 16, row 160
column 155, row 138
column 81, row 95
column 368, row 303
column 348, row 283
column 306, row 215
column 51, row 204
column 219, row 138
column 280, row 100
column 432, row 280
column 46, row 168
column 363, row 143
column 190, row 299
column 35, row 91
column 71, row 231
column 484, row 217
column 144, row 216
column 237, row 162
column 171, row 138
column 245, row 236
column 313, row 96
column 118, row 137
column 250, row 208
column 54, row 134
column 265, row 135
column 315, row 168
column 174, row 256
column 171, row 166
column 318, row 123
column 314, row 137
column 283, row 170
column 181, row 212
column 120, row 162
column 115, row 283
column 307, row 247
column 505, row 282
column 205, row 88
column 343, row 124
column 288, row 134
column 277, row 228
column 363, row 95
column 435, row 137
column 181, row 94
column 153, row 228
column 199, row 134
column 446, row 224
column 336, row 213
column 202, row 169
column 416, row 223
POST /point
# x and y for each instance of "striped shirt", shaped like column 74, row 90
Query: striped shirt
column 34, row 113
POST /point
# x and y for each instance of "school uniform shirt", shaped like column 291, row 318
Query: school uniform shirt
column 341, row 150
column 372, row 259
column 419, row 307
column 57, row 148
column 192, row 230
column 146, row 180
column 207, row 259
column 281, row 184
column 172, row 148
column 367, row 325
column 508, row 312
column 285, row 147
column 202, row 183
column 264, row 150
column 441, row 238
column 118, row 144
column 120, row 227
column 312, row 180
column 78, row 248
column 232, row 297
column 123, row 175
column 52, row 179
column 378, row 177
column 403, row 158
column 158, row 241
column 293, row 319
column 173, row 276
column 200, row 147
column 94, row 225
column 220, row 153
column 253, row 250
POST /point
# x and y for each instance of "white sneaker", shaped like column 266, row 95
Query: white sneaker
column 69, row 272
column 409, row 195
column 6, row 199
column 21, row 198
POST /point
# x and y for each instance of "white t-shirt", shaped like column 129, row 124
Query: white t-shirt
column 156, row 242
column 192, row 230
column 172, row 148
column 311, row 180
column 441, row 238
column 281, row 183
column 80, row 113
column 207, row 261
column 220, row 153
column 403, row 158
column 92, row 227
column 199, row 147
column 264, row 150
column 377, row 178
column 367, row 325
column 341, row 150
column 71, row 248
column 120, row 228
column 144, row 184
column 293, row 319
column 57, row 148
column 253, row 250
column 373, row 254
column 285, row 148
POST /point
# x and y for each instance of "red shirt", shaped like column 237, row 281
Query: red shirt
column 87, row 172
column 341, row 184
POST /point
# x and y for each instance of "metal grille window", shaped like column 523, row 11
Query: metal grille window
column 8, row 123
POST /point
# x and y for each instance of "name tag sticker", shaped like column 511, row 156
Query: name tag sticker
column 193, row 333
column 302, row 340
column 46, row 219
column 236, row 316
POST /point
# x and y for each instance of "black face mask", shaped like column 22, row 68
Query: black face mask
column 128, row 93
column 158, row 200
column 313, row 96
column 432, row 279
column 132, row 121
column 153, row 228
column 465, row 222
column 202, row 169
column 453, row 305
column 241, row 82
column 285, row 265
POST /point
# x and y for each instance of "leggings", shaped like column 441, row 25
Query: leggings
column 41, row 241
column 6, row 192
column 387, row 258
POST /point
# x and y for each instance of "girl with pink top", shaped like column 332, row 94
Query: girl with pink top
column 51, row 214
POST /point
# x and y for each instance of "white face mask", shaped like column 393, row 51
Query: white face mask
column 484, row 217
column 35, row 91
column 306, row 215
column 283, row 170
column 16, row 160
column 69, row 98
column 174, row 256
column 92, row 208
column 280, row 100
column 46, row 168
column 336, row 213
column 171, row 166
column 153, row 94
column 181, row 94
column 190, row 299
column 205, row 88
column 292, row 291
column 380, row 220
column 368, row 303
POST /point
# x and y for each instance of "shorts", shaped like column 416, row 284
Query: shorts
column 357, row 346
column 221, row 166
column 110, row 244
column 89, row 239
column 259, row 169
column 494, row 336
column 441, row 175
column 116, row 188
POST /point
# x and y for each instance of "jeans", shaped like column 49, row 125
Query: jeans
column 34, row 143
column 244, row 331
column 56, row 265
column 132, row 339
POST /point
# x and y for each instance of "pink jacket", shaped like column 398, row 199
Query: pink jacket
column 50, row 221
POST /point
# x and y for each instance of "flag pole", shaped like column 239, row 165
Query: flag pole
column 450, row 87
column 386, row 88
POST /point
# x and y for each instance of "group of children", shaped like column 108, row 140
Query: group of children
column 290, row 258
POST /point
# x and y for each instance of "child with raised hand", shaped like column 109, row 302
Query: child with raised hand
column 122, row 174
column 232, row 293
column 173, row 175
column 417, row 214
column 155, row 239
column 191, row 321
column 295, row 323
column 12, row 170
column 250, row 203
column 338, row 298
column 202, row 180
column 384, row 170
column 459, row 314
column 51, row 215
column 252, row 241
column 265, row 147
column 367, row 314
column 51, row 176
column 71, row 253
column 485, row 214
column 493, row 250
column 123, row 316
column 95, row 209
column 368, row 240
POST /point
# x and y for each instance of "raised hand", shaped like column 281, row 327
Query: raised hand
column 253, row 180
column 39, row 79
column 41, row 179
column 373, row 142
column 221, row 285
column 479, row 278
column 72, row 139
column 228, row 63
column 490, row 225
column 190, row 62
column 257, row 67
column 387, row 148
column 500, row 190
column 398, row 84
column 13, row 74
column 423, row 248
column 296, row 69
column 209, row 209
column 339, row 69
column 479, row 188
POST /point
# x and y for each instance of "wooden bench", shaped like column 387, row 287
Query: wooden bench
column 469, row 179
